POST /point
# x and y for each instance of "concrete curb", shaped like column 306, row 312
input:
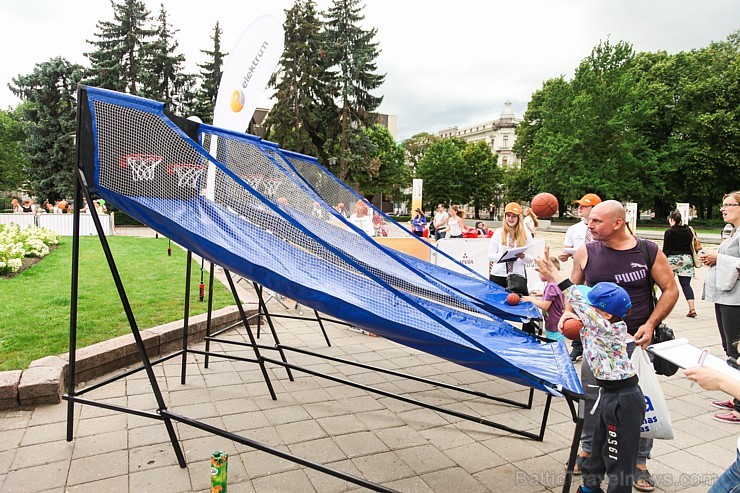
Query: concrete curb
column 44, row 381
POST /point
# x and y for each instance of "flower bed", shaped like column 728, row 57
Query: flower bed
column 17, row 244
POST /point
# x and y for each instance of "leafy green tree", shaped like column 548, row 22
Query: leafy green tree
column 49, row 112
column 352, row 52
column 546, row 143
column 580, row 136
column 483, row 175
column 706, row 141
column 416, row 145
column 12, row 159
column 210, row 78
column 163, row 76
column 121, row 48
column 518, row 185
column 442, row 168
column 388, row 172
column 303, row 85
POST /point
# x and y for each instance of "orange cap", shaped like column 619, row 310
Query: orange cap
column 589, row 200
column 513, row 207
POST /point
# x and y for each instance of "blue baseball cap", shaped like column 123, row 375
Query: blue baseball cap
column 609, row 297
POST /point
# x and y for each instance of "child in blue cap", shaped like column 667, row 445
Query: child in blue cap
column 621, row 404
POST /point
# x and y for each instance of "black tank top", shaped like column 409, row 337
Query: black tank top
column 628, row 269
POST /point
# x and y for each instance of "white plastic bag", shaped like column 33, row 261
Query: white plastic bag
column 657, row 422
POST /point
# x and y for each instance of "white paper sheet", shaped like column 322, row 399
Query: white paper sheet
column 680, row 352
column 511, row 254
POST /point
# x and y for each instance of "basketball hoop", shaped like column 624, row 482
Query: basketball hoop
column 187, row 174
column 270, row 185
column 141, row 165
column 253, row 181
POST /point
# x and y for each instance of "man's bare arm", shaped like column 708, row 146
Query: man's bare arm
column 577, row 276
column 663, row 277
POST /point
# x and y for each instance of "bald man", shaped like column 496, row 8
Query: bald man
column 616, row 256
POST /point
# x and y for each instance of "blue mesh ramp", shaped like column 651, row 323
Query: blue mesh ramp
column 487, row 295
column 239, row 207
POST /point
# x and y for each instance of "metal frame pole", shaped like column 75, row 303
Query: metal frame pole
column 186, row 314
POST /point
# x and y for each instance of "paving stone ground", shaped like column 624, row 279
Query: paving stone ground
column 387, row 441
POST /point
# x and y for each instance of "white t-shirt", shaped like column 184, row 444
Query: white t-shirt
column 575, row 237
column 529, row 224
column 440, row 221
column 496, row 251
column 365, row 223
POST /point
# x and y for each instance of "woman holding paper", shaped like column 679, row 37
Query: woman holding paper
column 711, row 379
column 512, row 235
column 722, row 286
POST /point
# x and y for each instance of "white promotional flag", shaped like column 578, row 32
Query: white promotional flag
column 248, row 68
column 683, row 208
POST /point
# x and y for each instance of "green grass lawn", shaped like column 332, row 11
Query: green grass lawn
column 35, row 303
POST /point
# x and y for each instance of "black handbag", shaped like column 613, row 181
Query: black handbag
column 662, row 332
column 662, row 366
column 517, row 283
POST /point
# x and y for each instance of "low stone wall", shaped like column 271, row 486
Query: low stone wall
column 44, row 381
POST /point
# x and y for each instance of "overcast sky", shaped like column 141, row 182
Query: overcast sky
column 446, row 63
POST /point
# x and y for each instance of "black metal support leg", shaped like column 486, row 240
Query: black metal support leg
column 579, row 419
column 263, row 306
column 321, row 324
column 252, row 340
column 186, row 314
column 132, row 322
column 209, row 320
column 71, row 369
column 258, row 289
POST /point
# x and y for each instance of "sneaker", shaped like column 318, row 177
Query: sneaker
column 576, row 354
column 581, row 490
column 724, row 405
column 728, row 417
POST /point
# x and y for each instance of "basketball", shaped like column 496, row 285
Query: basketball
column 545, row 205
column 572, row 329
column 513, row 299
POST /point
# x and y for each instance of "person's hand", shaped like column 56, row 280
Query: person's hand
column 545, row 266
column 566, row 315
column 708, row 259
column 520, row 255
column 707, row 378
column 644, row 335
column 563, row 257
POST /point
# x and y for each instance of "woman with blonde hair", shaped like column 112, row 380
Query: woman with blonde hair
column 513, row 234
column 16, row 206
column 530, row 220
column 361, row 218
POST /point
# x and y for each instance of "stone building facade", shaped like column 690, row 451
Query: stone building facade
column 499, row 134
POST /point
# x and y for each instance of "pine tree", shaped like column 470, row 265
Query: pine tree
column 210, row 78
column 49, row 112
column 303, row 84
column 121, row 47
column 353, row 54
column 164, row 79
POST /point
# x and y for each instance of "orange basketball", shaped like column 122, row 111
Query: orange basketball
column 545, row 205
column 572, row 329
column 513, row 299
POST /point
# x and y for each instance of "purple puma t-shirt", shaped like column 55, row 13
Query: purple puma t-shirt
column 628, row 269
